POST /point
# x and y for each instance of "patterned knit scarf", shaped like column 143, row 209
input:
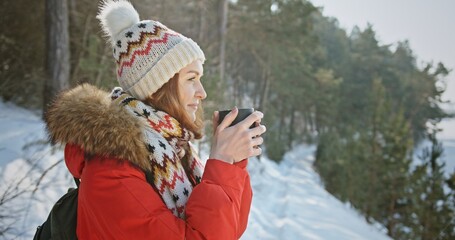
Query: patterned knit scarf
column 168, row 144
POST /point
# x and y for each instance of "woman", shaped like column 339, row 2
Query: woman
column 140, row 177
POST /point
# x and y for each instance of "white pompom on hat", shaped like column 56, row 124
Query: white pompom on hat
column 147, row 53
column 116, row 17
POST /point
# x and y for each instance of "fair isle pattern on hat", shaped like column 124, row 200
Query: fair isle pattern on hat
column 168, row 144
column 147, row 53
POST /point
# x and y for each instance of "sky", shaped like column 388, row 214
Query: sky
column 427, row 25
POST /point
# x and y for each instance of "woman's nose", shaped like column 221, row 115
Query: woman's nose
column 200, row 92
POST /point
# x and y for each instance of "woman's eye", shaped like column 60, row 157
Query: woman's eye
column 192, row 79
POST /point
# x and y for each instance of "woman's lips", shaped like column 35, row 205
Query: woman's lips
column 194, row 106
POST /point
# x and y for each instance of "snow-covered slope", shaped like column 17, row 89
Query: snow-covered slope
column 289, row 201
column 26, row 189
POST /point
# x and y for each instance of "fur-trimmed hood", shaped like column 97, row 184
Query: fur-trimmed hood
column 86, row 116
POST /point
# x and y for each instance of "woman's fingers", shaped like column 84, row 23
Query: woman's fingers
column 257, row 141
column 238, row 142
column 257, row 131
column 230, row 117
column 256, row 152
column 256, row 116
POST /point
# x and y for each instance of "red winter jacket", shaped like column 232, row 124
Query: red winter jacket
column 116, row 202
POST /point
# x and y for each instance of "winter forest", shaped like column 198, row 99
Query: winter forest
column 365, row 107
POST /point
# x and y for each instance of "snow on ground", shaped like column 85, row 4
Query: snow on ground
column 449, row 155
column 24, row 155
column 289, row 201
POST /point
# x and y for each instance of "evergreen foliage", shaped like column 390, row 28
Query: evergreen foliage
column 430, row 207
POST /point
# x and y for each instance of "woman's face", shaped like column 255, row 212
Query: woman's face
column 191, row 90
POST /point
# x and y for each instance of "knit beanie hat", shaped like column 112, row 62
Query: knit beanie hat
column 147, row 53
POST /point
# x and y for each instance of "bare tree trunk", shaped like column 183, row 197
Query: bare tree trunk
column 282, row 120
column 57, row 49
column 73, row 12
column 292, row 128
column 236, row 91
column 265, row 90
column 82, row 47
column 266, row 76
column 202, row 21
column 100, row 72
column 224, row 6
column 164, row 10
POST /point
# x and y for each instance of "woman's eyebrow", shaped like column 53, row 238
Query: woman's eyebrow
column 193, row 71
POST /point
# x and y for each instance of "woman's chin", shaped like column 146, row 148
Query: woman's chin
column 191, row 115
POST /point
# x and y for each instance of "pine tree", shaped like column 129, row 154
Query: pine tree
column 431, row 198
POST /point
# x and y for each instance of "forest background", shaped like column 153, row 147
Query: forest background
column 366, row 106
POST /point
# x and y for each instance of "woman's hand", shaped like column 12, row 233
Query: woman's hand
column 233, row 144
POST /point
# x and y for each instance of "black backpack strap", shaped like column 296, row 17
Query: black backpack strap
column 77, row 181
column 62, row 220
column 149, row 177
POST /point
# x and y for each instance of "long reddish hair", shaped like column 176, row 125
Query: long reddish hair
column 167, row 99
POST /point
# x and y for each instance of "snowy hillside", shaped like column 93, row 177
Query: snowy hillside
column 289, row 201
